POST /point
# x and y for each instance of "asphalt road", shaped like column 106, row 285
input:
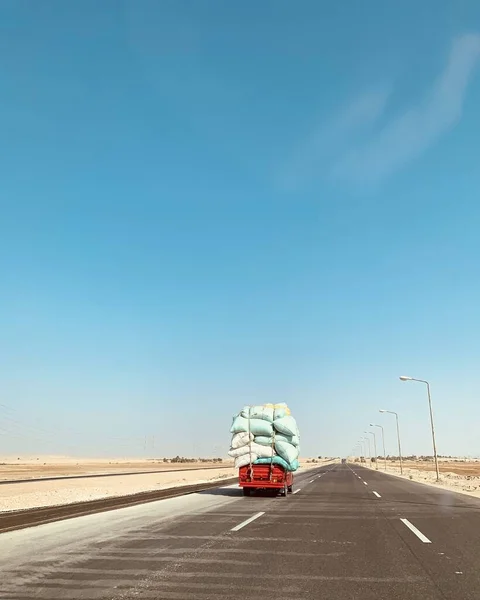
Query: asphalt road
column 348, row 532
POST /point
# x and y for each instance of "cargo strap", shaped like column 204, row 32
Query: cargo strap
column 250, row 443
column 273, row 452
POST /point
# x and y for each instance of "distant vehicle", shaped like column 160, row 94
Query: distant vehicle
column 344, row 461
column 265, row 477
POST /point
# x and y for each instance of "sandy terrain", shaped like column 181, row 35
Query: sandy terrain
column 19, row 496
column 463, row 477
column 459, row 468
column 32, row 468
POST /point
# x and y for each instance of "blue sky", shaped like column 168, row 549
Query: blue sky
column 206, row 204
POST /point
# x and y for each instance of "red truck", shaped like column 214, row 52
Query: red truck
column 265, row 477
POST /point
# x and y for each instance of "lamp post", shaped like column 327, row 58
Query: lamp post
column 369, row 451
column 383, row 443
column 358, row 449
column 374, row 447
column 405, row 378
column 398, row 436
column 363, row 449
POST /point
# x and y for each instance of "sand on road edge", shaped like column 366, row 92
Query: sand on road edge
column 450, row 481
column 22, row 496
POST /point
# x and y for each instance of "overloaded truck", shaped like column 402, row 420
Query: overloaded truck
column 265, row 446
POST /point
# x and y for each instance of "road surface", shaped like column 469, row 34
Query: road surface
column 348, row 532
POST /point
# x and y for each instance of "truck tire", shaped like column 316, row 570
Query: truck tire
column 290, row 489
column 246, row 491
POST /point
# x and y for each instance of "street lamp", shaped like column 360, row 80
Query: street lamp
column 374, row 447
column 369, row 451
column 363, row 449
column 382, row 410
column 405, row 378
column 357, row 448
column 360, row 452
column 383, row 443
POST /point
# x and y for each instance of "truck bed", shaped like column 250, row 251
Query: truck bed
column 271, row 477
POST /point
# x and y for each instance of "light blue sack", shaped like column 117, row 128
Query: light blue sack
column 245, row 412
column 279, row 437
column 262, row 412
column 287, row 451
column 239, row 425
column 286, row 425
column 267, row 441
column 261, row 427
column 263, row 440
column 294, row 465
column 278, row 460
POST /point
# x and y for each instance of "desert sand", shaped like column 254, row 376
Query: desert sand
column 19, row 496
column 13, row 468
column 25, row 495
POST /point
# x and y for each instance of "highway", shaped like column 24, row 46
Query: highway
column 347, row 532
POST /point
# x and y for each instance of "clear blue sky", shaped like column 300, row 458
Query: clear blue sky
column 206, row 204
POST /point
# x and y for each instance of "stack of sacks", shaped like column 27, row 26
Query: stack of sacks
column 265, row 434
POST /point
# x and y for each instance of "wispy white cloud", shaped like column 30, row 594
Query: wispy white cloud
column 330, row 139
column 338, row 150
column 410, row 134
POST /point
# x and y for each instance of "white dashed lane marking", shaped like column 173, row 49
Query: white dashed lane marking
column 416, row 531
column 377, row 494
column 243, row 523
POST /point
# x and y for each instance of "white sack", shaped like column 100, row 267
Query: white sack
column 241, row 439
column 243, row 460
column 260, row 451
